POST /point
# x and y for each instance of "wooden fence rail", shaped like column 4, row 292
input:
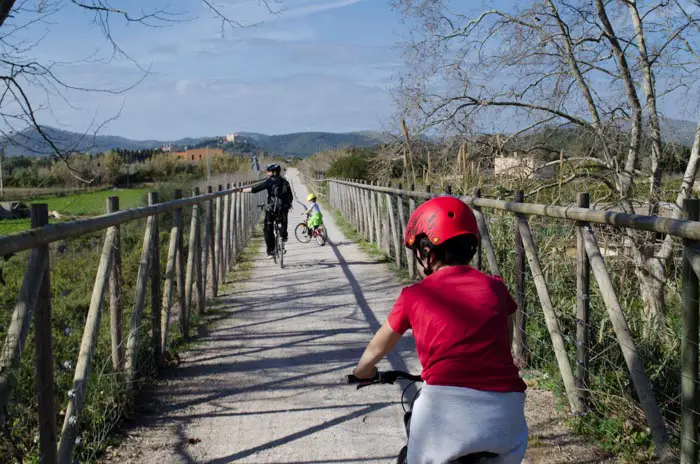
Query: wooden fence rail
column 211, row 252
column 378, row 214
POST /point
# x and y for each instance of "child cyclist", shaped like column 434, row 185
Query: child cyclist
column 314, row 214
column 473, row 397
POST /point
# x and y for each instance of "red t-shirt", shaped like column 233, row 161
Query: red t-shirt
column 459, row 318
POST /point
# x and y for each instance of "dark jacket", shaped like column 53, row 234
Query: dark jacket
column 269, row 185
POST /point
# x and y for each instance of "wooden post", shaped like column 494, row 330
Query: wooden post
column 208, row 265
column 448, row 190
column 242, row 218
column 520, row 326
column 689, row 348
column 583, row 285
column 132, row 340
column 218, row 241
column 486, row 245
column 234, row 223
column 226, row 239
column 180, row 268
column 191, row 258
column 366, row 213
column 76, row 400
column 349, row 206
column 43, row 343
column 155, row 288
column 27, row 300
column 394, row 230
column 356, row 217
column 412, row 261
column 170, row 277
column 200, row 298
column 641, row 383
column 362, row 223
column 550, row 316
column 213, row 251
column 478, row 255
column 370, row 215
column 116, row 310
column 403, row 223
column 386, row 227
column 239, row 226
column 249, row 206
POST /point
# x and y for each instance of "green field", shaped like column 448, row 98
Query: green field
column 81, row 204
column 93, row 203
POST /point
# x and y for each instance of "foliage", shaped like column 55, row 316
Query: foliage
column 111, row 167
column 353, row 166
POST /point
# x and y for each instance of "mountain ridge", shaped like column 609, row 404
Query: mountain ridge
column 30, row 143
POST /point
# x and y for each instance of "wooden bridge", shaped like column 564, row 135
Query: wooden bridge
column 263, row 380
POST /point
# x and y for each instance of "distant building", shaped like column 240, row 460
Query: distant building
column 167, row 148
column 195, row 155
column 230, row 138
column 523, row 167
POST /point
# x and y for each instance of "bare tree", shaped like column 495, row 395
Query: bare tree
column 602, row 67
column 23, row 76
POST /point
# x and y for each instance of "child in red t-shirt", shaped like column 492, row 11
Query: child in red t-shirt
column 473, row 398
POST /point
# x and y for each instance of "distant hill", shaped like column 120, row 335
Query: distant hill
column 308, row 143
column 675, row 130
column 30, row 143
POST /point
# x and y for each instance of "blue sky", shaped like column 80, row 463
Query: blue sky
column 319, row 65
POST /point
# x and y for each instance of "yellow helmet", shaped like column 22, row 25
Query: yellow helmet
column 311, row 197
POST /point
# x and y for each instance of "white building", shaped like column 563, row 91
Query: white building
column 524, row 167
column 230, row 138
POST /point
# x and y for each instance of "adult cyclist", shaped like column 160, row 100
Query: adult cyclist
column 473, row 398
column 279, row 202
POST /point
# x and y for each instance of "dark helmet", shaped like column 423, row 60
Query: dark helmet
column 274, row 168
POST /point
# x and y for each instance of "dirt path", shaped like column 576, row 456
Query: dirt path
column 264, row 384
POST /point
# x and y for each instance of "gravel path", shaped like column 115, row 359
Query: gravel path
column 264, row 383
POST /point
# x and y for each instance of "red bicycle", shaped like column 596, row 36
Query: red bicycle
column 305, row 234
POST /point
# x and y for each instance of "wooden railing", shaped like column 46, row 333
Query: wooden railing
column 220, row 225
column 380, row 214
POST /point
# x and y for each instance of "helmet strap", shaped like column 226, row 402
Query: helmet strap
column 427, row 268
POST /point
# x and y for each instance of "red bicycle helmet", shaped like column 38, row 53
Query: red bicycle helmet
column 440, row 219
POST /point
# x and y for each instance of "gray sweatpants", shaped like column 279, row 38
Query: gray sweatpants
column 450, row 422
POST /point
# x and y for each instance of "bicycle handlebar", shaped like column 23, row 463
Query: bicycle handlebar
column 386, row 377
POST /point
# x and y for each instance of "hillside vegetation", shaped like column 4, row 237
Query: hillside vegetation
column 30, row 143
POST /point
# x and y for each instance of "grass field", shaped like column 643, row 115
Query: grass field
column 82, row 204
column 93, row 203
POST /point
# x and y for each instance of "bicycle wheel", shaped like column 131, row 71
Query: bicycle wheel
column 301, row 232
column 274, row 252
column 322, row 236
column 280, row 250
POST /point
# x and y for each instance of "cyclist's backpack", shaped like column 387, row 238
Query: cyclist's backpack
column 282, row 192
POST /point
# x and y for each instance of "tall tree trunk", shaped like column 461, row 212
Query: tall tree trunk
column 648, row 84
column 652, row 283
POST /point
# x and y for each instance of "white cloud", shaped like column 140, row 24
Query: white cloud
column 181, row 86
